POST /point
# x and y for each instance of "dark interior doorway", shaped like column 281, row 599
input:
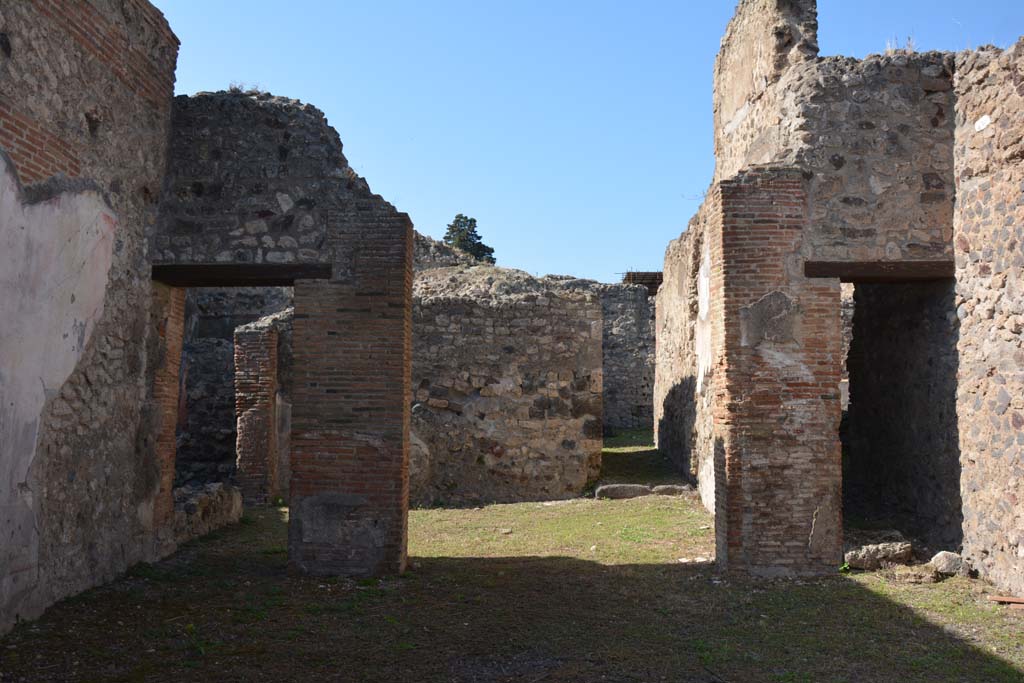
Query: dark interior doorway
column 901, row 456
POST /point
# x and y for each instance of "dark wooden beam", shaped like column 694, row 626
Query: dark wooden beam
column 881, row 271
column 238, row 274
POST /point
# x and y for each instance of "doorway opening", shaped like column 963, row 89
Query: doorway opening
column 901, row 456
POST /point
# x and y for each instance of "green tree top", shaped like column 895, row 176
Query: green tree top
column 462, row 235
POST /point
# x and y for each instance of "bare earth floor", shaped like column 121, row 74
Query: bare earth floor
column 583, row 590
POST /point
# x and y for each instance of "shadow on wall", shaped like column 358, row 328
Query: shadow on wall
column 901, row 452
column 677, row 427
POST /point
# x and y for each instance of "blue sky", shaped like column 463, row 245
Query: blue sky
column 577, row 132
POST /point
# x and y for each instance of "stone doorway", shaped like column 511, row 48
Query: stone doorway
column 901, row 456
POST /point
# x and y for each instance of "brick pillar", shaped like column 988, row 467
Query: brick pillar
column 168, row 315
column 255, row 400
column 352, row 345
column 780, row 508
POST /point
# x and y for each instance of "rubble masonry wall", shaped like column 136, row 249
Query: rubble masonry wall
column 85, row 91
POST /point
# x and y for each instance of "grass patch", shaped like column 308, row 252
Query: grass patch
column 570, row 591
column 630, row 458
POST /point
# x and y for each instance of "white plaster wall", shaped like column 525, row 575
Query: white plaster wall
column 55, row 259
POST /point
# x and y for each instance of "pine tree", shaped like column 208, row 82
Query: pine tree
column 462, row 235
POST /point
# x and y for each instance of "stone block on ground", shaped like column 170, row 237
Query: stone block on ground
column 876, row 555
column 622, row 491
column 672, row 490
column 200, row 510
column 947, row 563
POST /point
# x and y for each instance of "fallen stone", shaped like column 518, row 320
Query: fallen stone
column 874, row 556
column 946, row 563
column 916, row 574
column 622, row 491
column 671, row 490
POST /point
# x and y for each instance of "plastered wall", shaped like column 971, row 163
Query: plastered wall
column 83, row 89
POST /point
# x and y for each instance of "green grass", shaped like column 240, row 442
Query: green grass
column 583, row 590
column 630, row 458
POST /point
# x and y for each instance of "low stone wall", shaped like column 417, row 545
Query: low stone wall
column 507, row 374
column 989, row 242
column 628, row 357
column 198, row 510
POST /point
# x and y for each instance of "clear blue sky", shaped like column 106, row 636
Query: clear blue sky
column 577, row 132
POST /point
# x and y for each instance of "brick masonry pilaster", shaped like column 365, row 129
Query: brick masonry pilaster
column 168, row 314
column 255, row 391
column 350, row 421
column 780, row 493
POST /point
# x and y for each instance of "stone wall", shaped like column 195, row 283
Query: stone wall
column 689, row 339
column 901, row 456
column 827, row 169
column 263, row 367
column 877, row 137
column 259, row 192
column 874, row 135
column 628, row 357
column 206, row 420
column 764, row 41
column 507, row 386
column 989, row 243
column 85, row 91
column 429, row 253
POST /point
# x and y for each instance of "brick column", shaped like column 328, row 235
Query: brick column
column 168, row 315
column 255, row 394
column 352, row 344
column 780, row 508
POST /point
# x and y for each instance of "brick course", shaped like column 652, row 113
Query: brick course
column 66, row 107
column 262, row 180
column 168, row 314
column 255, row 393
column 781, row 491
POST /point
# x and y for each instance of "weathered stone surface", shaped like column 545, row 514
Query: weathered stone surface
column 507, row 375
column 262, row 381
column 901, row 459
column 628, row 356
column 198, row 510
column 989, row 242
column 206, row 423
column 877, row 555
column 671, row 490
column 77, row 502
column 429, row 253
column 689, row 338
column 622, row 491
column 258, row 187
column 947, row 563
column 820, row 162
column 874, row 136
column 55, row 259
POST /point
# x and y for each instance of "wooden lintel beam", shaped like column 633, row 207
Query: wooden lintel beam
column 238, row 274
column 881, row 271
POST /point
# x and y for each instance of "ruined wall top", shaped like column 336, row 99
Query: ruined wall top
column 429, row 253
column 258, row 179
column 763, row 39
column 487, row 283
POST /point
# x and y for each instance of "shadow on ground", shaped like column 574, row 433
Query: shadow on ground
column 225, row 609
